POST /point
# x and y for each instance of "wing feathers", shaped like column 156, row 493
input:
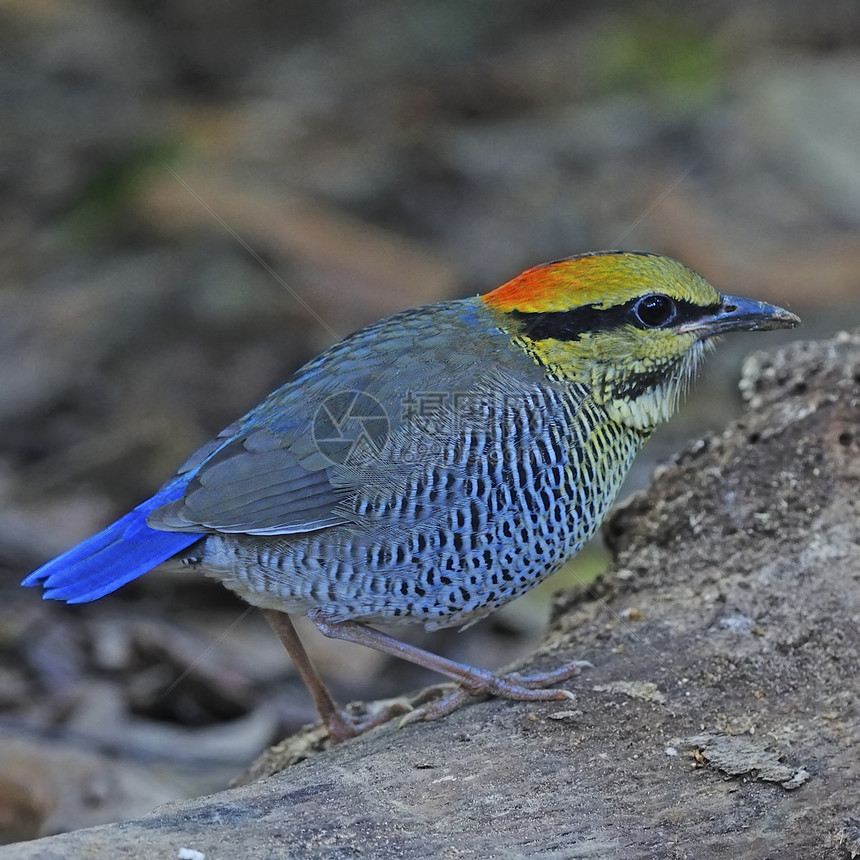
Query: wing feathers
column 253, row 485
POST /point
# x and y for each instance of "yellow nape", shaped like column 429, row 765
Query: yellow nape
column 601, row 279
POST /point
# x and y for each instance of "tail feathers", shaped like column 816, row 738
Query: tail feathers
column 122, row 552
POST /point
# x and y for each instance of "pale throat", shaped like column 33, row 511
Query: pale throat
column 637, row 392
column 648, row 392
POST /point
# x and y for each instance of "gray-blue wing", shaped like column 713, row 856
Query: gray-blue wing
column 252, row 484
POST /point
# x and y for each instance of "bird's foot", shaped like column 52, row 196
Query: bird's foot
column 356, row 719
column 433, row 703
column 523, row 688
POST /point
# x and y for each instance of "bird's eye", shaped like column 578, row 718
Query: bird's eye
column 655, row 311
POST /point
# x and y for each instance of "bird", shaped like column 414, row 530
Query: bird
column 432, row 466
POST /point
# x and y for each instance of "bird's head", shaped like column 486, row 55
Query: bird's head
column 632, row 326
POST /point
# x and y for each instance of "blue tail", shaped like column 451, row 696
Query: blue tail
column 122, row 552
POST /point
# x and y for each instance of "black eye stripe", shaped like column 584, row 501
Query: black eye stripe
column 569, row 325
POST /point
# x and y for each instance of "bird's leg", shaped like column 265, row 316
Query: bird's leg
column 473, row 682
column 285, row 629
column 341, row 725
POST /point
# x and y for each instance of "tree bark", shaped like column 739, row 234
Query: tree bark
column 721, row 717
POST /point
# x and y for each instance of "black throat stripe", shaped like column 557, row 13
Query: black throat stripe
column 571, row 324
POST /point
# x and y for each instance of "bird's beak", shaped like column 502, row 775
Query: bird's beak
column 738, row 314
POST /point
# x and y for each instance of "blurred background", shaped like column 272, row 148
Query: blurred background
column 196, row 196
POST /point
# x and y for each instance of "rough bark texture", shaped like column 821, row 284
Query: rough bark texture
column 721, row 718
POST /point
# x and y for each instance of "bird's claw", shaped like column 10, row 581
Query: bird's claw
column 547, row 679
